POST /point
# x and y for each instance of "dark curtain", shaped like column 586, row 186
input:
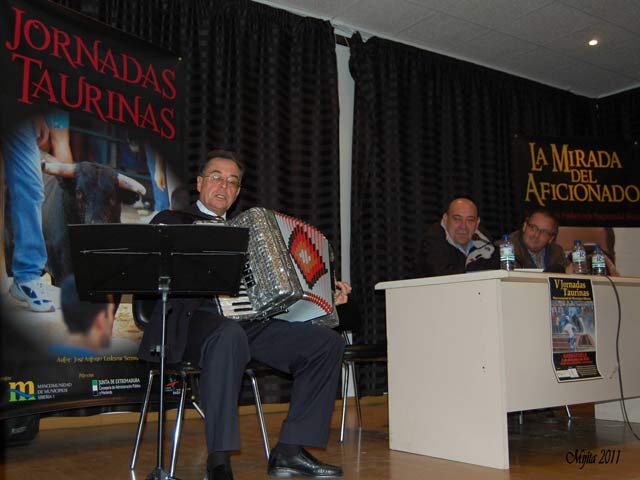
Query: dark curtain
column 257, row 80
column 260, row 81
column 619, row 116
column 428, row 128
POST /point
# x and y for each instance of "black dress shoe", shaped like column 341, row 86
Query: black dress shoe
column 302, row 464
column 220, row 472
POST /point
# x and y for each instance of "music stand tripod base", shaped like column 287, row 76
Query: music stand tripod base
column 159, row 474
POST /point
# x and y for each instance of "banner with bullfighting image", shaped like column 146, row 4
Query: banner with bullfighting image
column 89, row 132
column 585, row 182
column 573, row 329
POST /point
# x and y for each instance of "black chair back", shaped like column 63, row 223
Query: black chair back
column 142, row 309
column 348, row 316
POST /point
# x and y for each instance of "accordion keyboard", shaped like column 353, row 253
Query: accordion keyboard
column 237, row 307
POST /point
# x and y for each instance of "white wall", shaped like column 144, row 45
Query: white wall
column 627, row 251
column 346, row 88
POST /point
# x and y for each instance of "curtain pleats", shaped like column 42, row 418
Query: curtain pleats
column 619, row 116
column 260, row 81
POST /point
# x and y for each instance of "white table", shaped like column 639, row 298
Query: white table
column 463, row 350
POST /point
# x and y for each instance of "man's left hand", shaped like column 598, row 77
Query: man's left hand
column 343, row 289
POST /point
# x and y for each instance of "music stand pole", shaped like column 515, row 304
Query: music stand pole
column 159, row 473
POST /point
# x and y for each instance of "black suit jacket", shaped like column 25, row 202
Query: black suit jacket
column 437, row 257
column 180, row 310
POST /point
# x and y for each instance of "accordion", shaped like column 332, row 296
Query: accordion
column 288, row 274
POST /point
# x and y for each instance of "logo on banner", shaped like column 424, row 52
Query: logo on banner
column 22, row 391
column 111, row 386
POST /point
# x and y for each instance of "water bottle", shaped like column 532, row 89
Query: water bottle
column 598, row 265
column 579, row 258
column 507, row 255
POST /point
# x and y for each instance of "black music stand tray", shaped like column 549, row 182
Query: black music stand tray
column 177, row 260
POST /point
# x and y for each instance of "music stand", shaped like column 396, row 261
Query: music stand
column 182, row 260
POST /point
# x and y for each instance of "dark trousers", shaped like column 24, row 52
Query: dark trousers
column 310, row 353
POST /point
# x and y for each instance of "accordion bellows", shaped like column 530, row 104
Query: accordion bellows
column 289, row 272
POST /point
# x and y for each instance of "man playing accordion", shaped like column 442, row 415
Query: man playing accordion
column 199, row 333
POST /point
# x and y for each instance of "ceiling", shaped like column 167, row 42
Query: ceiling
column 542, row 40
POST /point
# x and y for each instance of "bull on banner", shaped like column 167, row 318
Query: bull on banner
column 89, row 135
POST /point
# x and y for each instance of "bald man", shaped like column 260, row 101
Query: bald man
column 455, row 244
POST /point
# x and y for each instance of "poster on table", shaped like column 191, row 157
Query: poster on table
column 585, row 182
column 573, row 329
column 89, row 135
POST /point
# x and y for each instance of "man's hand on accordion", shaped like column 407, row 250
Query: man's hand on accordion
column 343, row 289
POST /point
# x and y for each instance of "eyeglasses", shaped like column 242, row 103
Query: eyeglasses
column 217, row 179
column 537, row 230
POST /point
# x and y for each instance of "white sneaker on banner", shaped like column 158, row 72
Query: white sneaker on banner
column 34, row 293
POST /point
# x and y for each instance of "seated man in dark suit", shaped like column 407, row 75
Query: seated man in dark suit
column 198, row 332
column 533, row 244
column 455, row 244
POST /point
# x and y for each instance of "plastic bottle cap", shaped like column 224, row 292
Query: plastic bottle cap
column 505, row 237
column 577, row 242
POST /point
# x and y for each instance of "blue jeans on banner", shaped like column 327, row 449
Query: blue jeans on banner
column 26, row 194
